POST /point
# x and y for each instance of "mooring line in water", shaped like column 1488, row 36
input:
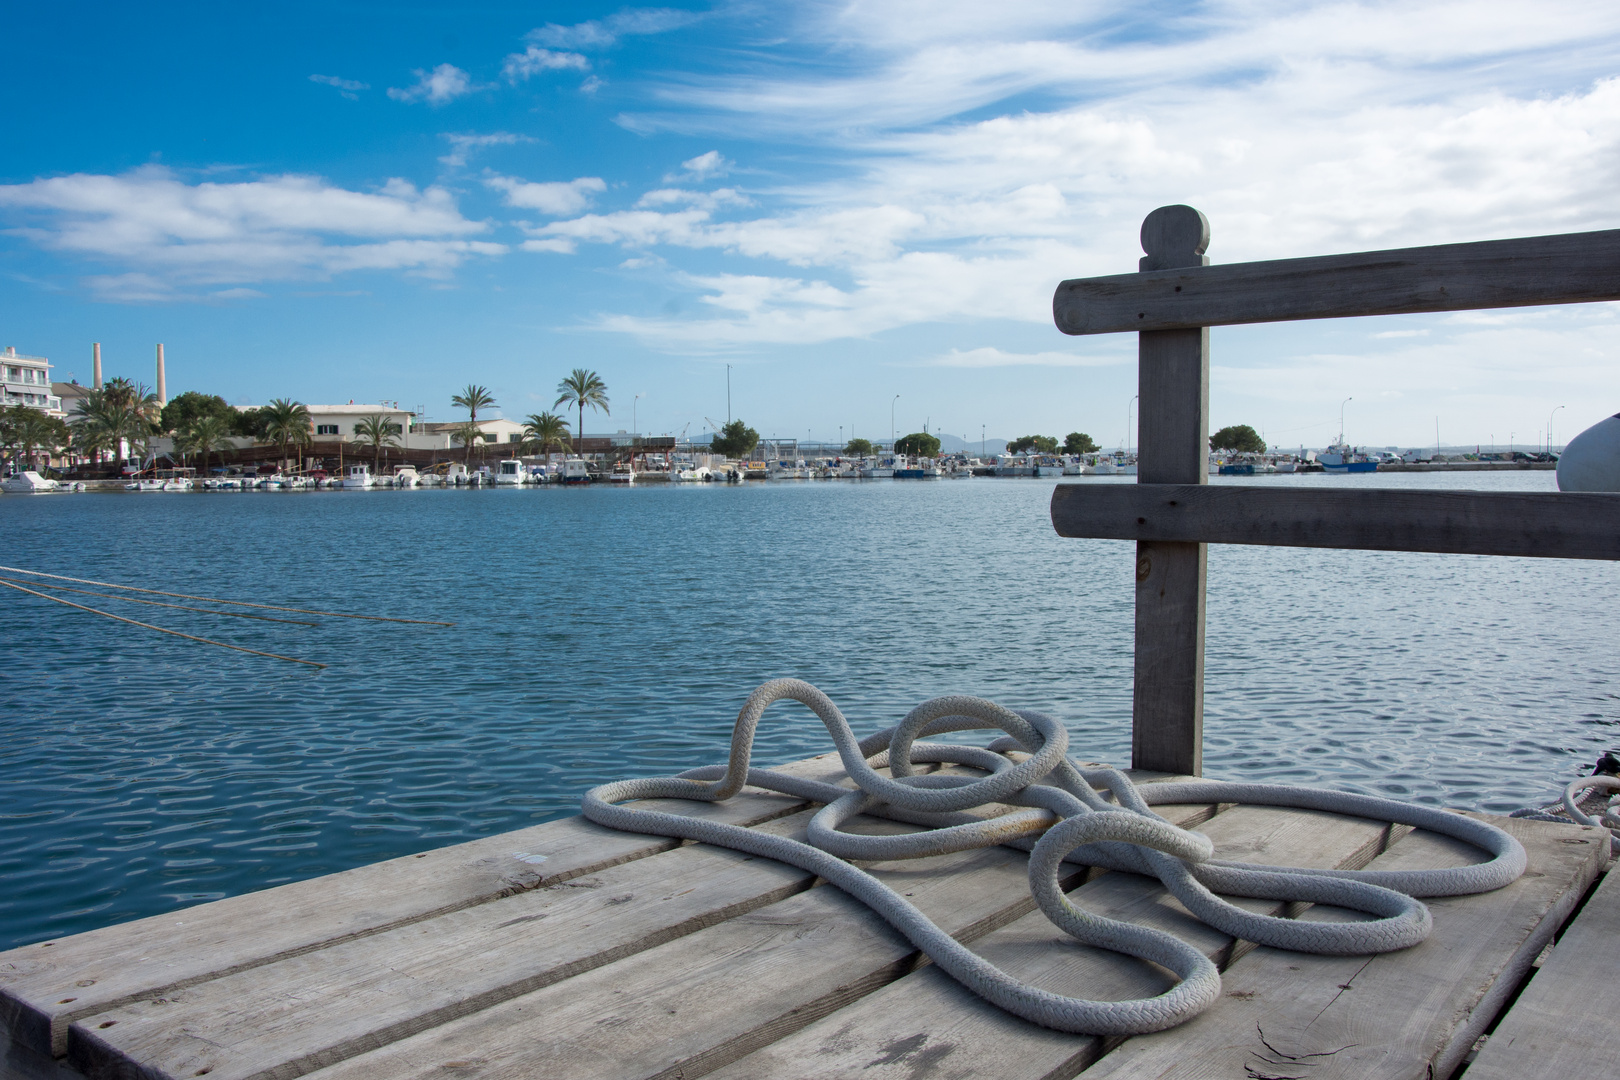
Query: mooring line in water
column 159, row 629
column 216, row 600
column 159, row 603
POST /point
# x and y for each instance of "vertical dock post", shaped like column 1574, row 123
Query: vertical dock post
column 1167, row 730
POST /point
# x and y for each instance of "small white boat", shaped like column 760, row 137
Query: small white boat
column 405, row 477
column 509, row 471
column 457, row 474
column 622, row 473
column 359, row 477
column 29, row 482
column 574, row 471
column 144, row 485
column 177, row 484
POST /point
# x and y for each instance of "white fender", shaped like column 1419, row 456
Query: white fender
column 1591, row 461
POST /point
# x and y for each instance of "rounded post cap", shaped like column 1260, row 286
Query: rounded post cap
column 1174, row 236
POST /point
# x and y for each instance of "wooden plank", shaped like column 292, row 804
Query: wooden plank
column 291, row 1017
column 1571, row 268
column 1411, row 1014
column 46, row 986
column 929, row 1024
column 1558, row 525
column 1561, row 1025
column 694, row 1004
column 1167, row 697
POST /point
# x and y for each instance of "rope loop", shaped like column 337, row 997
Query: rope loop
column 1060, row 811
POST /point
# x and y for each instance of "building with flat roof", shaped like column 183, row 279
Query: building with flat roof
column 26, row 380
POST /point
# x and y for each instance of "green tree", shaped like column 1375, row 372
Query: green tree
column 287, row 423
column 1041, row 444
column 472, row 399
column 120, row 413
column 918, row 444
column 859, row 448
column 1240, row 437
column 545, row 430
column 25, row 431
column 203, row 435
column 735, row 440
column 1078, row 442
column 181, row 411
column 376, row 431
column 583, row 388
column 468, row 434
column 250, row 424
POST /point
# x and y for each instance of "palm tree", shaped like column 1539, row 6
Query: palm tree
column 287, row 422
column 545, row 430
column 467, row 433
column 120, row 412
column 473, row 398
column 203, row 435
column 583, row 388
column 377, row 432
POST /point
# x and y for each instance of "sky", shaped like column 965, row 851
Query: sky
column 856, row 213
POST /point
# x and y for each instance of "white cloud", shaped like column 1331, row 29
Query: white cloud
column 556, row 197
column 279, row 228
column 601, row 33
column 346, row 87
column 443, row 84
column 463, row 144
column 705, row 165
column 591, row 85
column 992, row 357
column 533, row 60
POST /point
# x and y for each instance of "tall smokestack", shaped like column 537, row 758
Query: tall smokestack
column 95, row 381
column 163, row 394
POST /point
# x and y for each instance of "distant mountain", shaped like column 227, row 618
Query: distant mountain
column 954, row 444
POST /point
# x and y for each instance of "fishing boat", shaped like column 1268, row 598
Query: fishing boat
column 29, row 482
column 877, row 468
column 509, row 472
column 575, row 471
column 622, row 473
column 359, row 477
column 1340, row 458
column 405, row 476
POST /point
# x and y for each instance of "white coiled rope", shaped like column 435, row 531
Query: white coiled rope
column 1063, row 819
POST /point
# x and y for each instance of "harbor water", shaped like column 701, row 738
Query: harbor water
column 603, row 633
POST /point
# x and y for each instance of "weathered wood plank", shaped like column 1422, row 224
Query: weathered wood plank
column 1411, row 1014
column 1560, row 525
column 46, row 986
column 1562, row 1025
column 287, row 1018
column 692, row 1005
column 1167, row 697
column 928, row 1024
column 1570, row 268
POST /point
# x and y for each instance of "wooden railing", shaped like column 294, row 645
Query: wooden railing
column 1171, row 302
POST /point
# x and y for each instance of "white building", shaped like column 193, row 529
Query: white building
column 493, row 431
column 27, row 381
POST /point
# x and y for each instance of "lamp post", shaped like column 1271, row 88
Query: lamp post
column 633, row 401
column 728, row 394
column 981, row 440
column 891, row 422
column 1549, row 428
column 1342, row 404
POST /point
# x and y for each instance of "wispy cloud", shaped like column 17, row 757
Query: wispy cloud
column 346, row 87
column 700, row 168
column 991, row 357
column 463, row 144
column 443, row 84
column 555, row 197
column 534, row 60
column 602, row 33
column 172, row 234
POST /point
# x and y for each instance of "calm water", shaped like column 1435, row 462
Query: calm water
column 607, row 633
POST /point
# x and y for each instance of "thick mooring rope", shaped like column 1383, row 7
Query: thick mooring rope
column 1064, row 820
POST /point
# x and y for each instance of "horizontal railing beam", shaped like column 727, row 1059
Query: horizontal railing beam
column 1558, row 525
column 1571, row 268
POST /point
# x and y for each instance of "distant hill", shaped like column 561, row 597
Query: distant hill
column 954, row 444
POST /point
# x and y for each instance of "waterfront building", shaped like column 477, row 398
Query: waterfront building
column 26, row 380
column 494, row 430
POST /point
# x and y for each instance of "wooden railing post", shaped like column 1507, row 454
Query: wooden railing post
column 1167, row 730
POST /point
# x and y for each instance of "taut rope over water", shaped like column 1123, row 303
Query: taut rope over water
column 1073, row 823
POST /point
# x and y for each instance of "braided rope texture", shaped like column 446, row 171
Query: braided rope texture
column 1062, row 817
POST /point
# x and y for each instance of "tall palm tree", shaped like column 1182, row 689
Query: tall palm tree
column 377, row 432
column 583, row 388
column 126, row 412
column 203, row 435
column 545, row 430
column 288, row 423
column 473, row 398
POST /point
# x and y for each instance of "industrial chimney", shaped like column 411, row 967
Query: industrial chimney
column 95, row 381
column 162, row 393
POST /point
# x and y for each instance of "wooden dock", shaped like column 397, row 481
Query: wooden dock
column 570, row 950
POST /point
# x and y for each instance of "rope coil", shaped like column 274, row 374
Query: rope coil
column 1063, row 818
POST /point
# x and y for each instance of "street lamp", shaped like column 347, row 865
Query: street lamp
column 1549, row 428
column 1342, row 404
column 891, row 421
column 633, row 401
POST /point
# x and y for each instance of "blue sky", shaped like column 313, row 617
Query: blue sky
column 843, row 202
